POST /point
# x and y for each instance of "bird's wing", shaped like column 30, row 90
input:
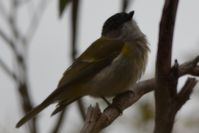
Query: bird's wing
column 100, row 54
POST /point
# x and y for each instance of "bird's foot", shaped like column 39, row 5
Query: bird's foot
column 106, row 101
column 112, row 104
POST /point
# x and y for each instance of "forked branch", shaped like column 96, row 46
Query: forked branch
column 96, row 120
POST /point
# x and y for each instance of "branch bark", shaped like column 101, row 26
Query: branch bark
column 168, row 102
column 93, row 114
column 185, row 93
column 120, row 103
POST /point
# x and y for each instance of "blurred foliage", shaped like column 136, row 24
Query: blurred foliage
column 147, row 112
column 143, row 118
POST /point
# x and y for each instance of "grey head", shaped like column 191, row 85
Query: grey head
column 114, row 24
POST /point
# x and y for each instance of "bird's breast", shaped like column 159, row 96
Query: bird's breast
column 121, row 74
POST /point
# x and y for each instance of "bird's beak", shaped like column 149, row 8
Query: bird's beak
column 131, row 14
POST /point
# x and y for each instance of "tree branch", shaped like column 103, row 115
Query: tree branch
column 8, row 71
column 81, row 107
column 185, row 93
column 166, row 84
column 23, row 91
column 35, row 21
column 74, row 27
column 7, row 40
column 3, row 11
column 95, row 123
column 122, row 102
column 125, row 4
column 59, row 122
column 190, row 67
column 92, row 115
column 13, row 41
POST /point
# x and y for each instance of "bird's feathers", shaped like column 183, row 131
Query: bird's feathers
column 33, row 113
column 62, row 105
column 90, row 63
column 100, row 54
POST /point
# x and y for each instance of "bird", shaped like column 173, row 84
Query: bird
column 110, row 66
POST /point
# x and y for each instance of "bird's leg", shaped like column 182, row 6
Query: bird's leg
column 106, row 101
column 117, row 102
column 113, row 105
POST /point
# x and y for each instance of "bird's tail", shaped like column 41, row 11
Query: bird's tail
column 33, row 113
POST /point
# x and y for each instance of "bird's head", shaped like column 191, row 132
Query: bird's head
column 121, row 26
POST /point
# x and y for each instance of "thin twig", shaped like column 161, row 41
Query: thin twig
column 7, row 70
column 74, row 15
column 36, row 19
column 81, row 107
column 60, row 120
column 185, row 93
column 7, row 40
column 74, row 28
column 93, row 114
column 25, row 99
column 3, row 11
column 10, row 43
column 191, row 67
column 125, row 4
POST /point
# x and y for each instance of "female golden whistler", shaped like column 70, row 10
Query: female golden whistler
column 111, row 65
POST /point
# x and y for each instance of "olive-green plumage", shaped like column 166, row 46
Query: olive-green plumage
column 111, row 65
